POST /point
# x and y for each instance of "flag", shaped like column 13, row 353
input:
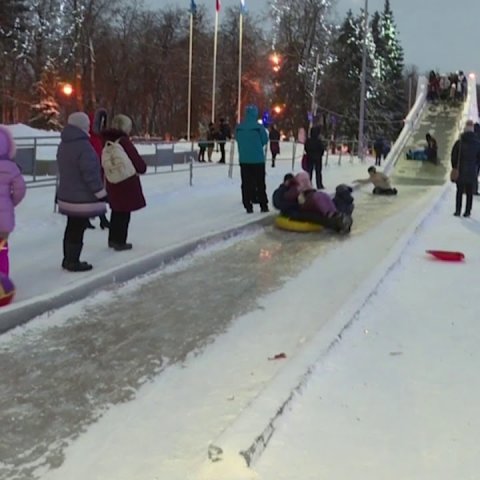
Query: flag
column 243, row 7
column 193, row 7
column 217, row 5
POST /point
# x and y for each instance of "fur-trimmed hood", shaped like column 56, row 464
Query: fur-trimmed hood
column 8, row 148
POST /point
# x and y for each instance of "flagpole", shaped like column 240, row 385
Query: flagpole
column 214, row 86
column 240, row 54
column 190, row 64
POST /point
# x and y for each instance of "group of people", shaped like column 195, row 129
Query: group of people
column 451, row 87
column 465, row 161
column 209, row 135
column 97, row 165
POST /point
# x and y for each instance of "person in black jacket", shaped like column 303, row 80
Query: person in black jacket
column 476, row 129
column 465, row 158
column 314, row 149
column 224, row 134
column 274, row 137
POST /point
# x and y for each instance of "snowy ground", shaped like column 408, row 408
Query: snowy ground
column 136, row 382
column 398, row 397
column 176, row 213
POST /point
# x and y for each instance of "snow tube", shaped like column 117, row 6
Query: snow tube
column 447, row 256
column 285, row 223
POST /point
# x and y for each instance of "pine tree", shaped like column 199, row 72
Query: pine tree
column 390, row 54
column 302, row 33
column 45, row 112
column 340, row 90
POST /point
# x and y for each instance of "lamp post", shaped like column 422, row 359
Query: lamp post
column 363, row 86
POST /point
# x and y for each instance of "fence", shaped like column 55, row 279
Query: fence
column 36, row 156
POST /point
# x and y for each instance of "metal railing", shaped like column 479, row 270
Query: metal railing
column 36, row 157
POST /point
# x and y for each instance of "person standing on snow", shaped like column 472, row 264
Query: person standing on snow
column 224, row 134
column 126, row 196
column 12, row 192
column 98, row 122
column 251, row 139
column 314, row 148
column 80, row 192
column 274, row 138
column 465, row 159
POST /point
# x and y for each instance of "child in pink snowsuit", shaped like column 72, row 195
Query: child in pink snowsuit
column 12, row 192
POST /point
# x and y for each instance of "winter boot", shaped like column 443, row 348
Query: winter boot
column 104, row 223
column 71, row 258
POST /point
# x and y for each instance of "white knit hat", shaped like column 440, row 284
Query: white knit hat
column 79, row 120
column 123, row 123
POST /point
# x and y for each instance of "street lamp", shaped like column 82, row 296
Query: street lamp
column 67, row 89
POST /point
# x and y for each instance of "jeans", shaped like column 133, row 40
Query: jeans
column 317, row 166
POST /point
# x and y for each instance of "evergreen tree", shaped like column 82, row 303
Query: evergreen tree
column 45, row 112
column 341, row 87
column 302, row 33
column 389, row 53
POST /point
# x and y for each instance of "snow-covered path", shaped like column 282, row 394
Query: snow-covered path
column 140, row 380
column 398, row 397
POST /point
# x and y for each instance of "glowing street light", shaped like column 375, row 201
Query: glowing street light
column 277, row 109
column 275, row 59
column 67, row 89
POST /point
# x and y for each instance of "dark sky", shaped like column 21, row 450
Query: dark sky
column 435, row 34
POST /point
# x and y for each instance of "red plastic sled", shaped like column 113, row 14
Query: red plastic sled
column 447, row 256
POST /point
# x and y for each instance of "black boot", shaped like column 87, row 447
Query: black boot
column 71, row 258
column 104, row 223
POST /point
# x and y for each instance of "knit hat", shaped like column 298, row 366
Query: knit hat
column 123, row 123
column 303, row 182
column 79, row 120
column 7, row 144
column 469, row 127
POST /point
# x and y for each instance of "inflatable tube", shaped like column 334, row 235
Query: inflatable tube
column 285, row 223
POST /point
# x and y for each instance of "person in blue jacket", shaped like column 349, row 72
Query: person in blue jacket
column 251, row 139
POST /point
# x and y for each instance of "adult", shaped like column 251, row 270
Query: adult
column 476, row 129
column 211, row 135
column 314, row 148
column 224, row 134
column 126, row 196
column 80, row 192
column 98, row 122
column 381, row 183
column 378, row 147
column 274, row 137
column 431, row 149
column 465, row 159
column 251, row 139
column 202, row 141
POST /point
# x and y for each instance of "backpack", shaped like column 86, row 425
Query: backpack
column 116, row 163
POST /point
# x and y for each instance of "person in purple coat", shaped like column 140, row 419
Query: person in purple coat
column 12, row 192
column 80, row 193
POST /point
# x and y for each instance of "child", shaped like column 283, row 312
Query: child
column 286, row 206
column 343, row 199
column 12, row 192
column 380, row 181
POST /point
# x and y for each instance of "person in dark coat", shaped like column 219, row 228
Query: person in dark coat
column 343, row 199
column 466, row 158
column 314, row 148
column 378, row 147
column 476, row 129
column 224, row 134
column 279, row 200
column 127, row 196
column 251, row 138
column 274, row 137
column 431, row 149
column 80, row 193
